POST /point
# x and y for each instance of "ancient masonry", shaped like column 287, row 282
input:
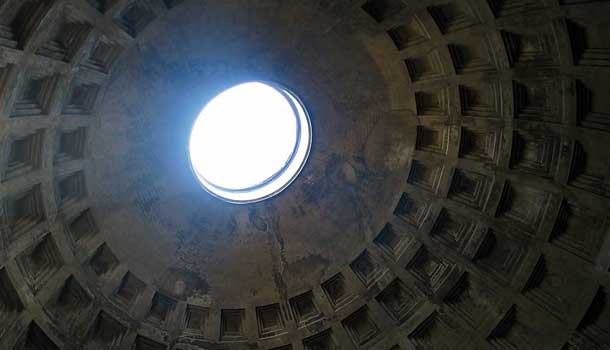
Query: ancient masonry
column 498, row 240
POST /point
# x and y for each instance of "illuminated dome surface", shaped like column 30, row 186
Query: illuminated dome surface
column 249, row 142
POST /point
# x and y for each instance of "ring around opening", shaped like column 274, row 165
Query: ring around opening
column 250, row 142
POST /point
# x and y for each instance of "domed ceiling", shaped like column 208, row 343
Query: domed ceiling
column 456, row 195
column 269, row 249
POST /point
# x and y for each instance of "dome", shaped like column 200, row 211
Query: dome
column 454, row 189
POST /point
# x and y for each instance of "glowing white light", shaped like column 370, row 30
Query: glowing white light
column 250, row 142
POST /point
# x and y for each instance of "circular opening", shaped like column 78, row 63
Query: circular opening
column 250, row 142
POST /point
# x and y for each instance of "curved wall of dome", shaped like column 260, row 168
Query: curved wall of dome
column 456, row 196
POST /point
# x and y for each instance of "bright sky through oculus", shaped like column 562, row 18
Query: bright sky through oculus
column 249, row 142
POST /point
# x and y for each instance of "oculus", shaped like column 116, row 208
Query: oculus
column 250, row 142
